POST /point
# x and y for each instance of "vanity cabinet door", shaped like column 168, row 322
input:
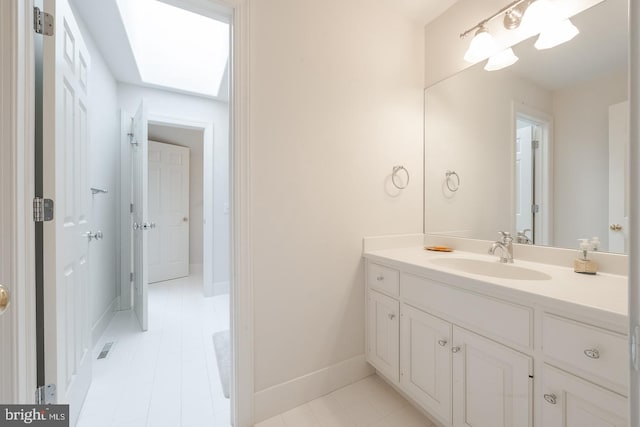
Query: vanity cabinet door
column 425, row 369
column 572, row 402
column 491, row 383
column 384, row 334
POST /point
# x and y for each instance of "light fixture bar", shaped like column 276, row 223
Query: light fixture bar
column 495, row 15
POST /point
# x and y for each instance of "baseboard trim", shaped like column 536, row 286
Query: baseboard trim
column 221, row 288
column 103, row 322
column 283, row 397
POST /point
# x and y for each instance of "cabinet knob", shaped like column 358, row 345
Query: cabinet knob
column 615, row 227
column 380, row 278
column 455, row 349
column 442, row 343
column 551, row 398
column 392, row 316
column 592, row 353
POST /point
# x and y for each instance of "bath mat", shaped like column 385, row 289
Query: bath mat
column 223, row 357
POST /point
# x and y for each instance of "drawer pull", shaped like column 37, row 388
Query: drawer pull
column 551, row 398
column 592, row 353
column 455, row 349
column 380, row 278
column 442, row 343
column 392, row 316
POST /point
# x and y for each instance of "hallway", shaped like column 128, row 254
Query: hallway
column 167, row 376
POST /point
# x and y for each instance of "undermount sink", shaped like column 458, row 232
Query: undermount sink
column 491, row 268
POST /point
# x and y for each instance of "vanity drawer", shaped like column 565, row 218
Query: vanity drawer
column 504, row 321
column 587, row 349
column 384, row 279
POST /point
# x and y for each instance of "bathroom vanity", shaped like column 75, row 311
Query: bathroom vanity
column 477, row 343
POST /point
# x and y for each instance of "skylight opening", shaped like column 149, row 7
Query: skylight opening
column 175, row 48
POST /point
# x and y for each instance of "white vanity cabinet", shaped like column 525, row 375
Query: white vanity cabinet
column 470, row 358
column 383, row 334
column 460, row 377
column 570, row 401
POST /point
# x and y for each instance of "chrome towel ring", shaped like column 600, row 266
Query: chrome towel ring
column 452, row 184
column 394, row 175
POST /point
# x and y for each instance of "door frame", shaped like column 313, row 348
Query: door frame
column 126, row 232
column 20, row 119
column 17, row 119
column 544, row 220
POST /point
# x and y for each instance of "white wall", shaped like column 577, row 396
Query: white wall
column 444, row 49
column 469, row 129
column 581, row 158
column 193, row 139
column 104, row 172
column 336, row 102
column 198, row 109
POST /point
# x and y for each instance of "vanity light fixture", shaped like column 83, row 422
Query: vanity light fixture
column 482, row 46
column 533, row 17
column 501, row 60
column 556, row 34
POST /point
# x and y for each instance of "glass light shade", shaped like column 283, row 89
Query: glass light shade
column 501, row 60
column 481, row 46
column 556, row 34
column 539, row 15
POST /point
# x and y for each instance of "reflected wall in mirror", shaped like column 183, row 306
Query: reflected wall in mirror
column 539, row 147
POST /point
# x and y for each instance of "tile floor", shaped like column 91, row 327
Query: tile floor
column 167, row 376
column 370, row 402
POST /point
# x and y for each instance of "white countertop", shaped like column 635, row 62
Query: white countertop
column 602, row 294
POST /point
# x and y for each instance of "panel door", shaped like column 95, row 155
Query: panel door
column 491, row 384
column 569, row 401
column 67, row 349
column 141, row 227
column 384, row 334
column 169, row 211
column 425, row 367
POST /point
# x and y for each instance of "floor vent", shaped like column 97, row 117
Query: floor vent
column 105, row 350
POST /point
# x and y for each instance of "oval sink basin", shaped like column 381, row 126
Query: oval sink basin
column 491, row 268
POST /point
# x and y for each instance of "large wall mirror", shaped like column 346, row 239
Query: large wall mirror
column 539, row 148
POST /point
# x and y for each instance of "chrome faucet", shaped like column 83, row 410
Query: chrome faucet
column 506, row 247
column 521, row 237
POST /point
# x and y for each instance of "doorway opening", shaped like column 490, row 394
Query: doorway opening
column 532, row 146
column 157, row 145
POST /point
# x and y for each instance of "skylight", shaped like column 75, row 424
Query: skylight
column 176, row 48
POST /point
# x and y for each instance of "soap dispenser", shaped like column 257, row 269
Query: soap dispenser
column 583, row 264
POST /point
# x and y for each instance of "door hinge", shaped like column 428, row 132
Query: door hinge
column 535, row 208
column 535, row 144
column 131, row 277
column 131, row 135
column 46, row 395
column 130, row 207
column 43, row 22
column 42, row 209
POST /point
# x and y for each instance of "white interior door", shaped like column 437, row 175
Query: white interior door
column 141, row 227
column 66, row 246
column 619, row 177
column 169, row 211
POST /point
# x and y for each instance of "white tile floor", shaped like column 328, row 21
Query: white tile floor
column 167, row 376
column 370, row 402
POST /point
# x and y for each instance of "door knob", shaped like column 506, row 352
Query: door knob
column 4, row 299
column 615, row 227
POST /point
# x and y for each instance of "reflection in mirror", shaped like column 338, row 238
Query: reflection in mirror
column 539, row 147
